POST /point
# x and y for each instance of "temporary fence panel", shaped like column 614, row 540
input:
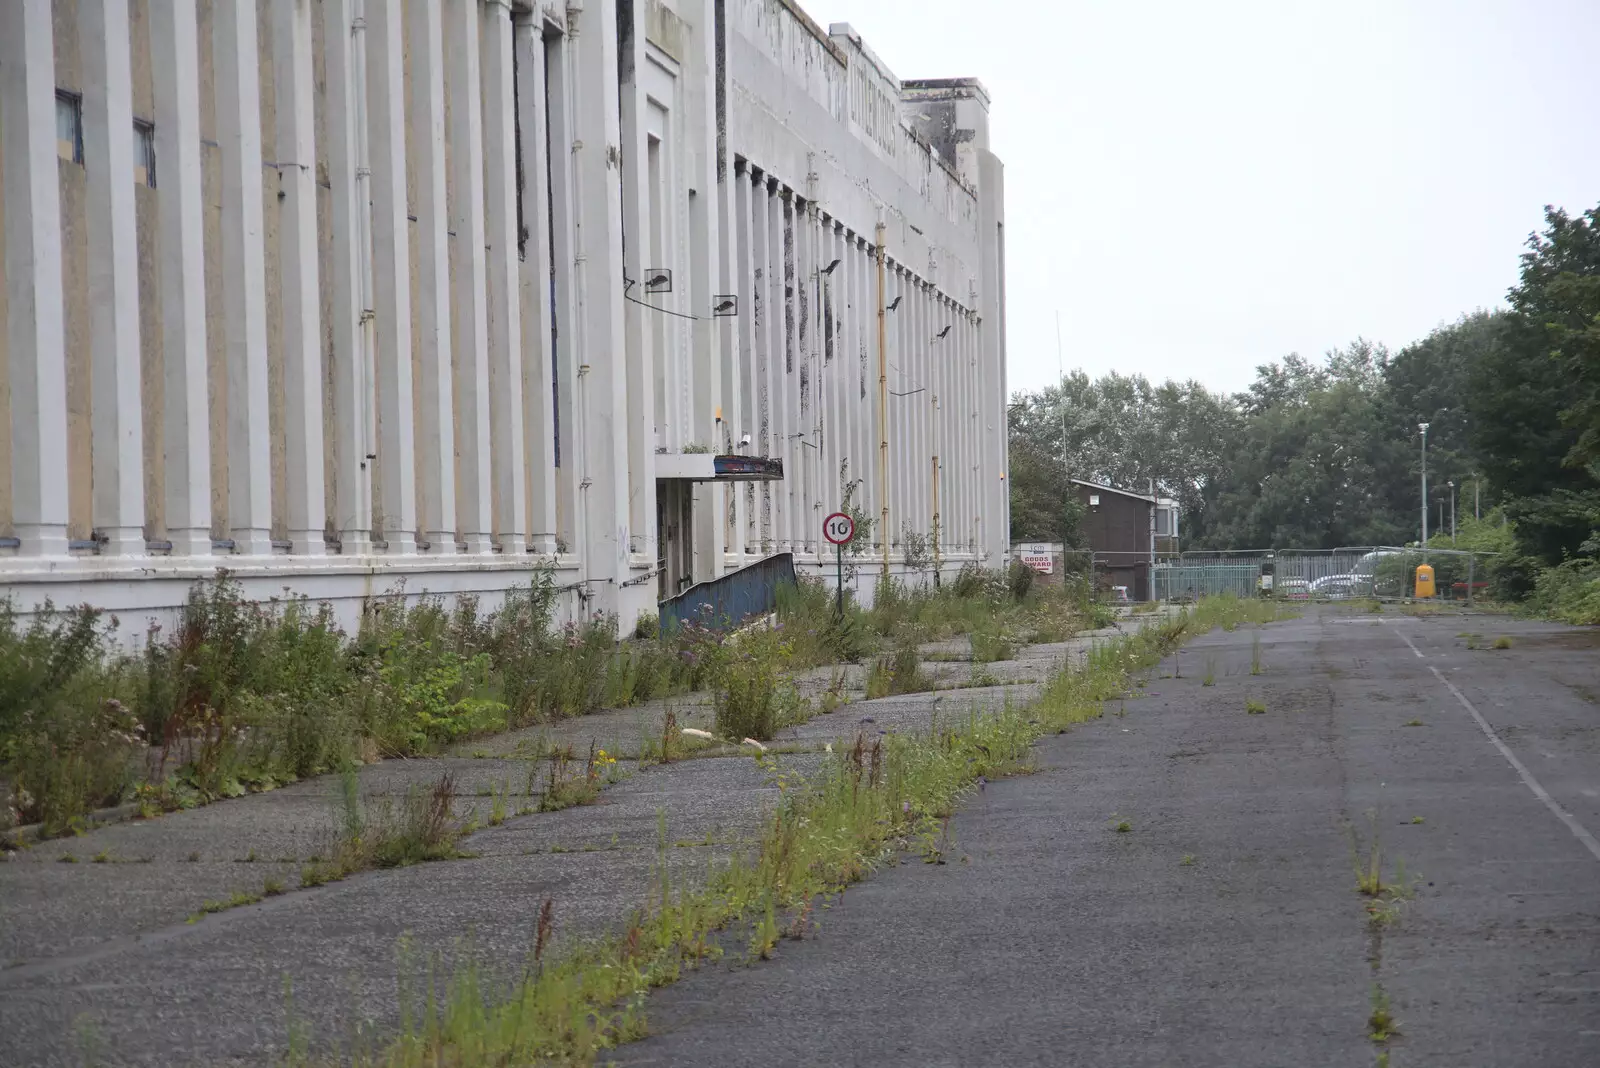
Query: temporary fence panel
column 1366, row 571
column 1178, row 582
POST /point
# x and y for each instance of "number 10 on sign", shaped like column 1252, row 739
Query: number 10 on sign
column 839, row 528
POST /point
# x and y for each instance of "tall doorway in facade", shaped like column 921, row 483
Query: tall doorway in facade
column 674, row 536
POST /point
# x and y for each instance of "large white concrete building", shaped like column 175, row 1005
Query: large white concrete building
column 352, row 295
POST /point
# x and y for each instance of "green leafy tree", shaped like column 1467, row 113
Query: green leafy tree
column 1535, row 394
column 1559, row 292
column 1119, row 430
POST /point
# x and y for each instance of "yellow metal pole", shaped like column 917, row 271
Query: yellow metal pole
column 883, row 409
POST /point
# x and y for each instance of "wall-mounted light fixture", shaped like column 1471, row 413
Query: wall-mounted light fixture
column 725, row 305
column 829, row 268
column 893, row 304
column 657, row 280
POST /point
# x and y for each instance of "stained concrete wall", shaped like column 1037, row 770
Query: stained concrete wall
column 804, row 102
column 814, row 109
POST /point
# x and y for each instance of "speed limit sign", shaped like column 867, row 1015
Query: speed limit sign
column 839, row 528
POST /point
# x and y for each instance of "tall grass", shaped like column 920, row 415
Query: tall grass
column 244, row 695
column 990, row 604
column 751, row 692
column 897, row 671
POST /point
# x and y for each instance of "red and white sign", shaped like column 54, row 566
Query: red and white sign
column 839, row 528
column 1043, row 563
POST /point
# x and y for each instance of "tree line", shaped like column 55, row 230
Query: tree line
column 1322, row 454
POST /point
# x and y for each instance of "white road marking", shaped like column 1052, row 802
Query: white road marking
column 1578, row 829
column 1407, row 639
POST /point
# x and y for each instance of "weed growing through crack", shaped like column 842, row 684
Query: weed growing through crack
column 572, row 784
column 1414, row 723
column 1381, row 1022
column 989, row 646
column 980, row 678
column 671, row 737
column 1255, row 707
column 422, row 828
column 237, row 899
column 1367, row 861
column 937, row 842
column 1210, row 677
column 1188, row 860
column 896, row 672
column 835, row 696
column 1502, row 642
column 1368, row 869
column 1255, row 653
column 497, row 803
column 752, row 696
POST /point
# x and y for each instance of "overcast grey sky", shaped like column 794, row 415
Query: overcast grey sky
column 1201, row 187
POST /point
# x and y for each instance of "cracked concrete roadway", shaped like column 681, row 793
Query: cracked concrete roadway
column 1224, row 926
column 98, row 965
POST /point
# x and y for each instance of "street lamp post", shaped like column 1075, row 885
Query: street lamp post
column 1423, row 427
column 1452, row 485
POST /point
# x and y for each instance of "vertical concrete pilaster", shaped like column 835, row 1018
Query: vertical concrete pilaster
column 834, row 448
column 782, row 363
column 808, row 520
column 117, row 422
column 563, row 251
column 469, row 294
column 708, row 269
column 351, row 490
column 533, row 282
column 36, row 338
column 761, row 381
column 435, row 438
column 743, row 411
column 597, row 161
column 244, row 288
column 175, row 73
column 305, row 508
column 508, row 445
column 395, row 469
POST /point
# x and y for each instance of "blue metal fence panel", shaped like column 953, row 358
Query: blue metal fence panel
column 726, row 602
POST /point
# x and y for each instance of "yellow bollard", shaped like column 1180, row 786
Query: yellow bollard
column 1424, row 580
